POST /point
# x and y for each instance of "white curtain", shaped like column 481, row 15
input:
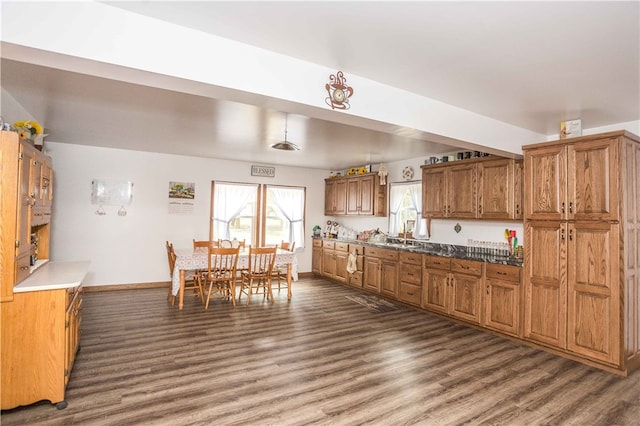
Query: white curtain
column 228, row 201
column 420, row 230
column 290, row 201
column 396, row 194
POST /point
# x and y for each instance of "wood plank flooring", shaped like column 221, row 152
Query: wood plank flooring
column 320, row 359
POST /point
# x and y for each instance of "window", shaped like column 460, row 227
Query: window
column 405, row 203
column 258, row 214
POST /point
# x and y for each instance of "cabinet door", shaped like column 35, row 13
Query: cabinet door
column 593, row 182
column 72, row 333
column 316, row 260
column 366, row 194
column 593, row 291
column 496, row 189
column 389, row 278
column 461, row 191
column 546, row 182
column 340, row 206
column 341, row 266
column 545, row 282
column 465, row 299
column 353, row 196
column 518, row 200
column 329, row 197
column 434, row 290
column 502, row 306
column 26, row 171
column 372, row 274
column 433, row 193
column 329, row 263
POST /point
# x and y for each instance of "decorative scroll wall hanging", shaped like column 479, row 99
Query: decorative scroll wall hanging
column 339, row 92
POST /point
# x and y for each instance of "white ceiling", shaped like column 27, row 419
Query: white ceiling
column 529, row 64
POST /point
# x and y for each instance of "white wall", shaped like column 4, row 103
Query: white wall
column 130, row 249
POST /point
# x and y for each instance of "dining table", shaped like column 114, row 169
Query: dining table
column 196, row 259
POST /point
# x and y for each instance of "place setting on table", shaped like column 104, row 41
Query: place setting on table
column 188, row 262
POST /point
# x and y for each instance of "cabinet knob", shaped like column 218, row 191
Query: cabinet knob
column 570, row 206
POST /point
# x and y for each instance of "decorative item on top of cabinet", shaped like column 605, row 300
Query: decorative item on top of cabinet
column 357, row 195
column 580, row 277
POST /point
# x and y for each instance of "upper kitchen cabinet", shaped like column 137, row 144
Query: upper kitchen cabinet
column 360, row 195
column 485, row 188
column 500, row 189
column 449, row 191
column 573, row 180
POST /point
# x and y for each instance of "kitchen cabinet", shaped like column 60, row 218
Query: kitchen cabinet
column 334, row 260
column 335, row 197
column 42, row 190
column 381, row 271
column 316, row 256
column 356, row 279
column 358, row 195
column 449, row 191
column 41, row 336
column 582, row 270
column 453, row 287
column 20, row 162
column 499, row 189
column 488, row 188
column 503, row 305
column 410, row 278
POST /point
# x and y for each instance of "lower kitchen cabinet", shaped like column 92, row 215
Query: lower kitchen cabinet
column 316, row 257
column 410, row 285
column 381, row 271
column 503, row 298
column 334, row 260
column 453, row 287
column 40, row 338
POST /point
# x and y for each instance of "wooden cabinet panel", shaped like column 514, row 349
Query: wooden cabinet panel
column 546, row 282
column 341, row 266
column 372, row 274
column 409, row 293
column 381, row 270
column 461, row 191
column 546, row 183
column 503, row 298
column 355, row 195
column 593, row 182
column 316, row 259
column 593, row 291
column 389, row 277
column 434, row 290
column 434, row 192
column 496, row 189
column 466, row 293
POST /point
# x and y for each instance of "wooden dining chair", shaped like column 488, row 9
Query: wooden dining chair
column 221, row 274
column 190, row 280
column 280, row 271
column 258, row 274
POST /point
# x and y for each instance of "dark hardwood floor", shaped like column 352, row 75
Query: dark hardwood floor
column 321, row 358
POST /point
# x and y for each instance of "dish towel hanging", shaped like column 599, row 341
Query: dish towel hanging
column 352, row 263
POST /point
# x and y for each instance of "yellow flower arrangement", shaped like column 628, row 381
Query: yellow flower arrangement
column 28, row 129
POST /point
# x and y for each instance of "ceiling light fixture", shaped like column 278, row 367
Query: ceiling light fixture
column 285, row 145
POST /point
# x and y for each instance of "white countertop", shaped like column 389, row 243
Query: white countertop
column 55, row 275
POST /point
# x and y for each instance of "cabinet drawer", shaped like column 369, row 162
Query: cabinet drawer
column 381, row 253
column 469, row 267
column 355, row 279
column 317, row 243
column 357, row 248
column 410, row 293
column 409, row 257
column 342, row 247
column 503, row 272
column 22, row 268
column 411, row 274
column 436, row 262
column 329, row 245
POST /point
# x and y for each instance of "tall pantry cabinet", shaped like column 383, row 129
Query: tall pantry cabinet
column 582, row 257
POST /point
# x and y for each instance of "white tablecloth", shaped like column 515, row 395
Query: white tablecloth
column 191, row 260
